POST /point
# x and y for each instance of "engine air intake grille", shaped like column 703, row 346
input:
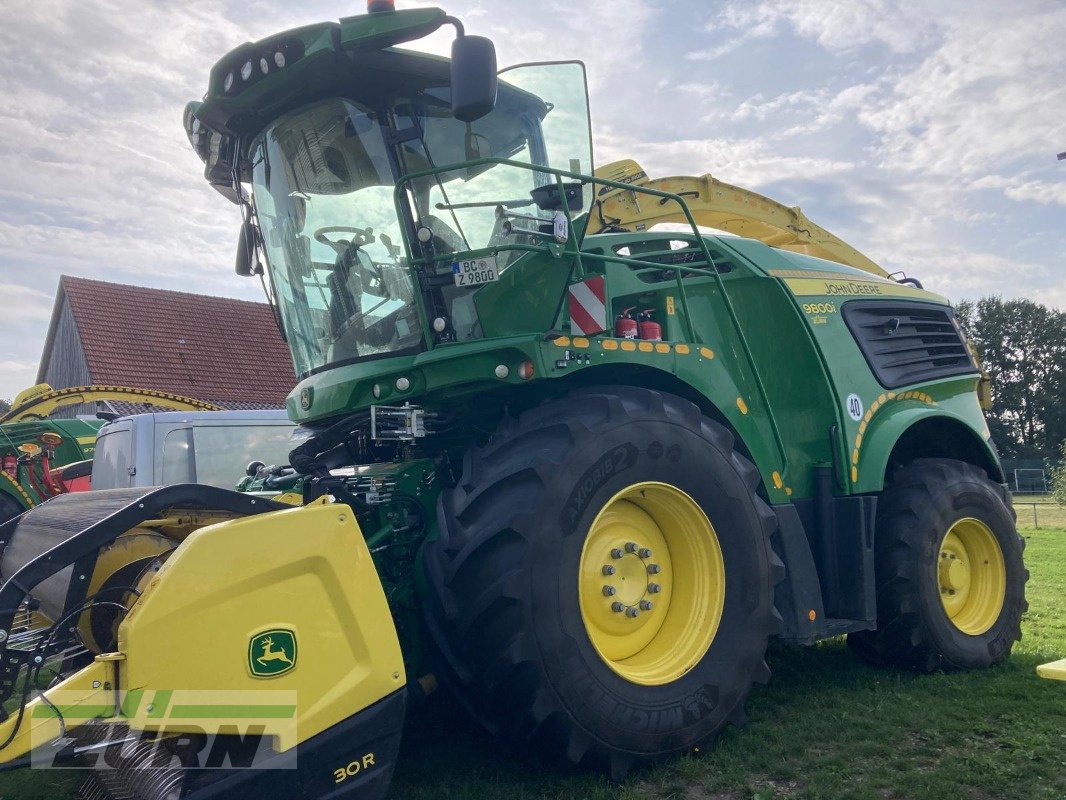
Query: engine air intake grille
column 906, row 343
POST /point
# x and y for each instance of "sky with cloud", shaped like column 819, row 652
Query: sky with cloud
column 923, row 133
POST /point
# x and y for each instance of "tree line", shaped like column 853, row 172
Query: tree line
column 1023, row 347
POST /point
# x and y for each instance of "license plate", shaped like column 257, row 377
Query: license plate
column 475, row 272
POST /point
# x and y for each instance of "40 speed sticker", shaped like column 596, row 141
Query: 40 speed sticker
column 854, row 406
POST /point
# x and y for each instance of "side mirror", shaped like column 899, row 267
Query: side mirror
column 246, row 264
column 473, row 77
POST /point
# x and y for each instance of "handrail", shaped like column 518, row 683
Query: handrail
column 398, row 196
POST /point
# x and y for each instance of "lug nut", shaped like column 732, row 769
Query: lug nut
column 617, row 552
column 654, row 569
column 608, row 569
column 645, row 605
column 654, row 588
column 632, row 612
column 631, row 547
column 616, row 606
column 608, row 591
column 644, row 552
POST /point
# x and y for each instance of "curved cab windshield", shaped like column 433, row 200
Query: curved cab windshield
column 344, row 290
column 324, row 195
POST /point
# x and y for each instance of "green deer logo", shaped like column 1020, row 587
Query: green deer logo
column 272, row 653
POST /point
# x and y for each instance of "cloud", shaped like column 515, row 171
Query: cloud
column 23, row 303
column 746, row 162
column 834, row 24
column 924, row 134
column 1018, row 188
column 991, row 94
column 16, row 375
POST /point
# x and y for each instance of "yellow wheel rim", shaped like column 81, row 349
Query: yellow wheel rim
column 971, row 576
column 652, row 583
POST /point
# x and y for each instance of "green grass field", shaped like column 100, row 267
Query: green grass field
column 827, row 726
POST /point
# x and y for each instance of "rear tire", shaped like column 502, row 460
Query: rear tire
column 950, row 575
column 513, row 606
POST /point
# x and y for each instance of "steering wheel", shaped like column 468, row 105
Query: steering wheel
column 361, row 237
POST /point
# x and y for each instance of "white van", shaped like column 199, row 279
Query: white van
column 211, row 447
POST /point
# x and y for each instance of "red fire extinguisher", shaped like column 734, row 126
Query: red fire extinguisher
column 625, row 327
column 649, row 328
column 10, row 466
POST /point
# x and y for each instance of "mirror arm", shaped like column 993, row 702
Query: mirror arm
column 560, row 227
column 460, row 31
column 484, row 204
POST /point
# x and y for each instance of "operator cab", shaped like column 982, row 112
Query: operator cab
column 369, row 191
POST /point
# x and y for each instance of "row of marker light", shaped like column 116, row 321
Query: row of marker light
column 249, row 68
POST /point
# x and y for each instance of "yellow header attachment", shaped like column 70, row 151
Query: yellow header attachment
column 1055, row 671
column 39, row 401
column 275, row 623
column 716, row 205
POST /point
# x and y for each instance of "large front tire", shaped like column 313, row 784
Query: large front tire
column 542, row 604
column 950, row 575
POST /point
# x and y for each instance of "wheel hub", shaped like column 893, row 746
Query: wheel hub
column 971, row 576
column 628, row 578
column 652, row 583
column 954, row 572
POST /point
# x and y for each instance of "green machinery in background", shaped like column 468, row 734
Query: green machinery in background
column 41, row 457
column 580, row 479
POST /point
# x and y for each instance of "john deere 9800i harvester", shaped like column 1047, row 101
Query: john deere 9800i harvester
column 576, row 471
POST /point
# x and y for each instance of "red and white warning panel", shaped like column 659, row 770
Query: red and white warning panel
column 588, row 306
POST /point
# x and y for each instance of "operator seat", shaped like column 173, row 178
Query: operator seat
column 345, row 289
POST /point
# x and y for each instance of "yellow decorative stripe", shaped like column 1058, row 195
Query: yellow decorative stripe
column 845, row 286
column 877, row 404
column 819, row 273
column 25, row 495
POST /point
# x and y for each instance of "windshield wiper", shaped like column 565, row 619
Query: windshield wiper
column 487, row 204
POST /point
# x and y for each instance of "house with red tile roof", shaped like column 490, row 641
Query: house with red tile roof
column 225, row 351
